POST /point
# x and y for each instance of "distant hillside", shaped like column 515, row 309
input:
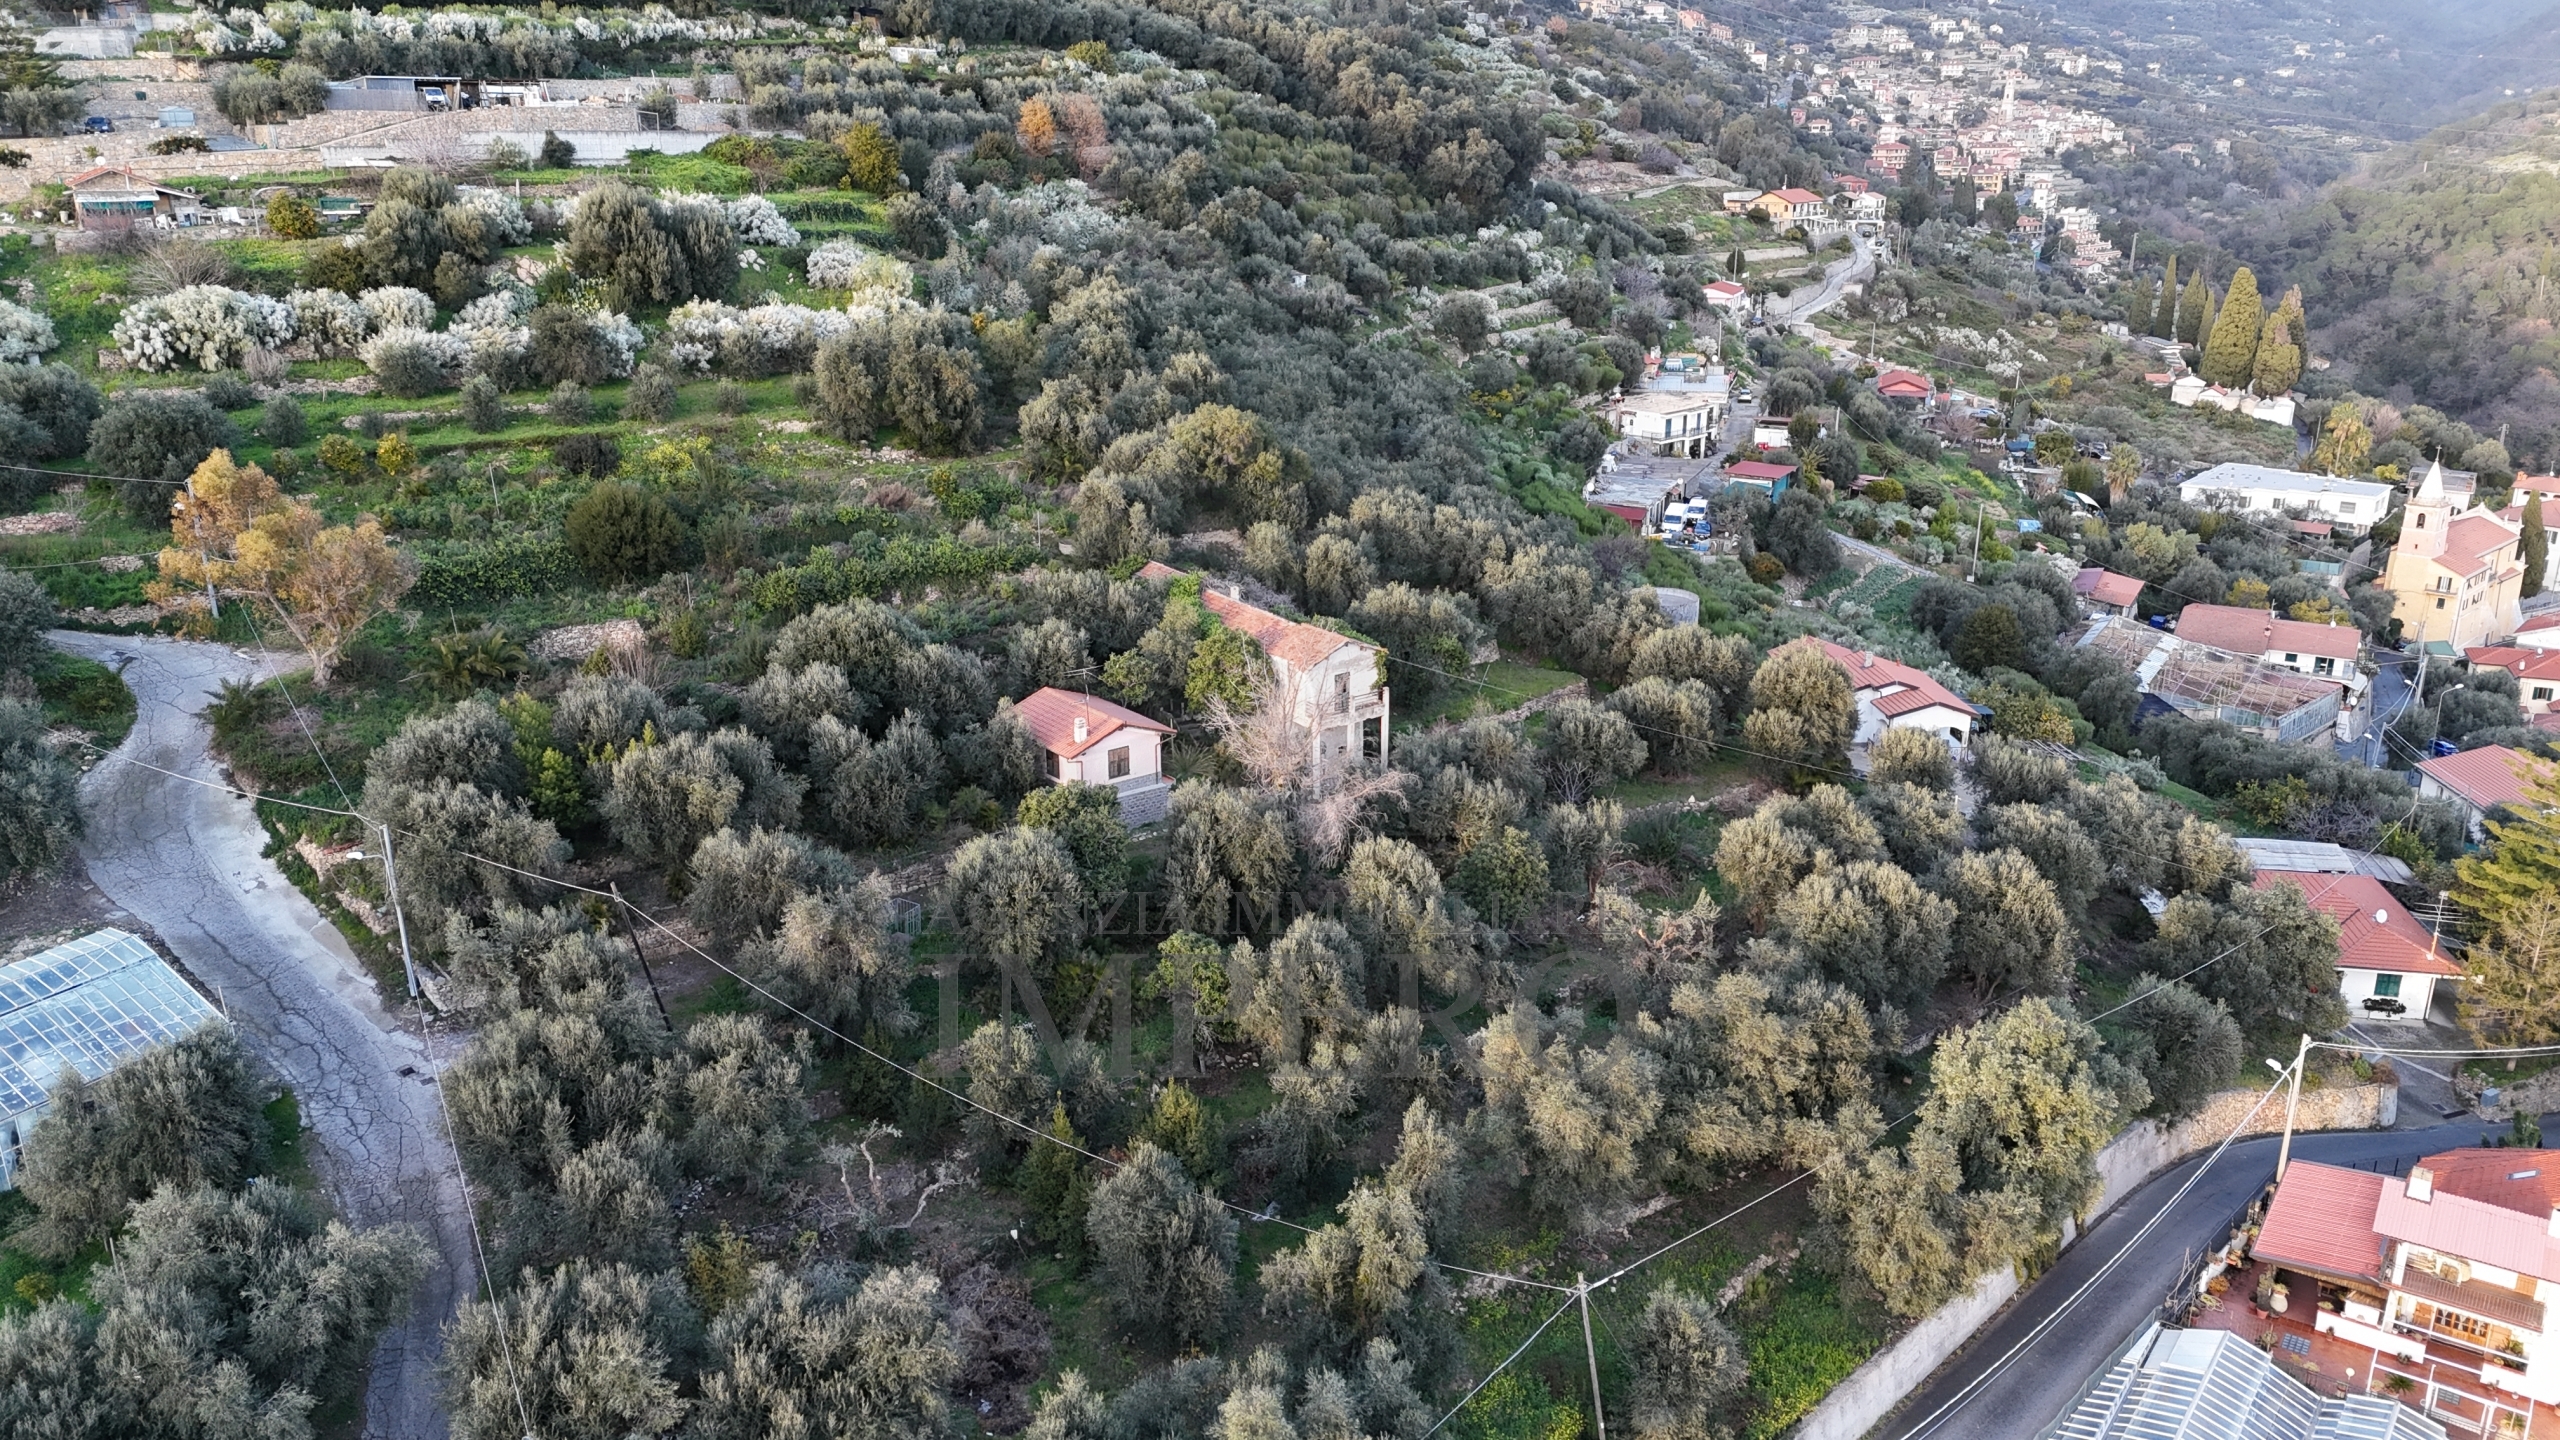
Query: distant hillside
column 2435, row 272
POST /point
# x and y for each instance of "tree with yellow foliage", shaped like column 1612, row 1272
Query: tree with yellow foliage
column 234, row 532
column 1036, row 128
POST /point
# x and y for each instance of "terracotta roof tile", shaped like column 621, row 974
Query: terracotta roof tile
column 2244, row 631
column 2395, row 941
column 2106, row 587
column 2520, row 661
column 1051, row 714
column 2322, row 1219
column 2469, row 1229
column 1911, row 689
column 1294, row 642
column 2490, row 775
column 2526, row 1181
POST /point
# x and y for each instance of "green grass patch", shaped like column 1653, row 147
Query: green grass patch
column 1497, row 687
column 86, row 695
column 287, row 1160
column 1806, row 1341
column 25, row 1277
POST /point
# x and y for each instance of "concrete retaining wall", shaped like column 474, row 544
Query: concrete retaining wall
column 1856, row 1404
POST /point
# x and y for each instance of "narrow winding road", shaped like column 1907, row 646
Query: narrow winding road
column 2032, row 1388
column 186, row 860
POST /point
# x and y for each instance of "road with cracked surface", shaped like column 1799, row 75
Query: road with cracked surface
column 186, row 860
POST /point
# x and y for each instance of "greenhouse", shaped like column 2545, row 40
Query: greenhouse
column 85, row 1006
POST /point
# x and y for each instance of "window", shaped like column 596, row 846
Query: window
column 1119, row 762
column 2541, row 692
column 2422, row 522
column 2439, row 602
column 2325, row 665
column 1053, row 764
column 2387, row 986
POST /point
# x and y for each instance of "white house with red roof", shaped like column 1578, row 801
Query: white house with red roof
column 1892, row 695
column 1728, row 296
column 1088, row 740
column 2538, row 632
column 2326, row 651
column 1335, row 686
column 2446, row 1275
column 2537, row 672
column 1909, row 386
column 2480, row 781
column 1792, row 203
column 118, row 198
column 2388, row 963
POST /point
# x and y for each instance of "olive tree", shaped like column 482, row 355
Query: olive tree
column 186, row 1113
column 1164, row 1250
column 1686, row 1368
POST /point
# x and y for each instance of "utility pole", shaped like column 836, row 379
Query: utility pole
column 650, row 975
column 1582, row 1294
column 391, row 879
column 1973, row 572
column 2292, row 1099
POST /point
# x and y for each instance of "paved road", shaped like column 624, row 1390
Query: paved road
column 2042, row 1381
column 186, row 860
column 1857, row 265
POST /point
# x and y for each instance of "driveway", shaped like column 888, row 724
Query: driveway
column 2044, row 1378
column 185, row 859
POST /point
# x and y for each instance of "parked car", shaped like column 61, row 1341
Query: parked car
column 98, row 125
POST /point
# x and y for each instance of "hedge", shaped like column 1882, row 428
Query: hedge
column 471, row 572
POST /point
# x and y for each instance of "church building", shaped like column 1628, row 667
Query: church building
column 2456, row 579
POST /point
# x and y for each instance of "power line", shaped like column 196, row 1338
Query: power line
column 819, row 1025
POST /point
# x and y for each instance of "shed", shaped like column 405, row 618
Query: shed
column 177, row 117
column 86, row 1006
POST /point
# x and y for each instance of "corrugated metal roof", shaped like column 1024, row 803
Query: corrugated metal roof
column 2194, row 1385
column 2320, row 857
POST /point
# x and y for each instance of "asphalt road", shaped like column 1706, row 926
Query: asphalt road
column 2043, row 1379
column 186, row 860
column 1858, row 264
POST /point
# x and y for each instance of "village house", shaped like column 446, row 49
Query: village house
column 114, row 199
column 1670, row 422
column 2328, row 651
column 1780, row 206
column 2269, row 701
column 1764, row 476
column 1335, row 686
column 2105, row 591
column 1090, row 741
column 2388, row 963
column 2352, row 505
column 1728, row 296
column 2456, row 580
column 2479, row 781
column 1909, row 387
column 2437, row 1278
column 2537, row 673
column 1893, row 696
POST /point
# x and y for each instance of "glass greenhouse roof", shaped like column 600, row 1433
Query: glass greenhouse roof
column 86, row 1006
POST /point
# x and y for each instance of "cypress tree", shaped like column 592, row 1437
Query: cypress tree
column 2164, row 316
column 2537, row 544
column 2193, row 302
column 2231, row 345
column 2137, row 311
column 2279, row 360
column 2295, row 323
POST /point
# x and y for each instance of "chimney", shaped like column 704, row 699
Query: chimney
column 1079, row 729
column 2422, row 1184
column 2554, row 1227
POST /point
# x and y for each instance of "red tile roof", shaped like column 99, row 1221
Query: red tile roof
column 1051, row 715
column 1300, row 645
column 1725, row 287
column 2322, row 1219
column 2490, row 775
column 2375, row 932
column 2526, row 1181
column 2469, row 1229
column 1794, row 196
column 1905, row 382
column 1758, row 470
column 2106, row 587
column 2244, row 631
column 2522, row 662
column 2548, row 619
column 1912, row 689
column 2470, row 542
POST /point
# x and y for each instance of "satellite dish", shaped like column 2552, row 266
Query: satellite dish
column 2381, row 917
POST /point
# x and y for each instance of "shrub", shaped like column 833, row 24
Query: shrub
column 588, row 452
column 341, row 454
column 571, row 404
column 396, row 307
column 290, row 217
column 566, row 347
column 147, row 439
column 406, row 364
column 210, row 327
column 619, row 532
column 556, row 154
column 484, row 406
column 56, row 405
column 652, row 395
column 24, row 334
column 282, row 422
column 1765, row 568
column 328, row 319
column 730, row 397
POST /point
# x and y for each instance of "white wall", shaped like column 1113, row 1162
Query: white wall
column 2418, row 992
column 1093, row 767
